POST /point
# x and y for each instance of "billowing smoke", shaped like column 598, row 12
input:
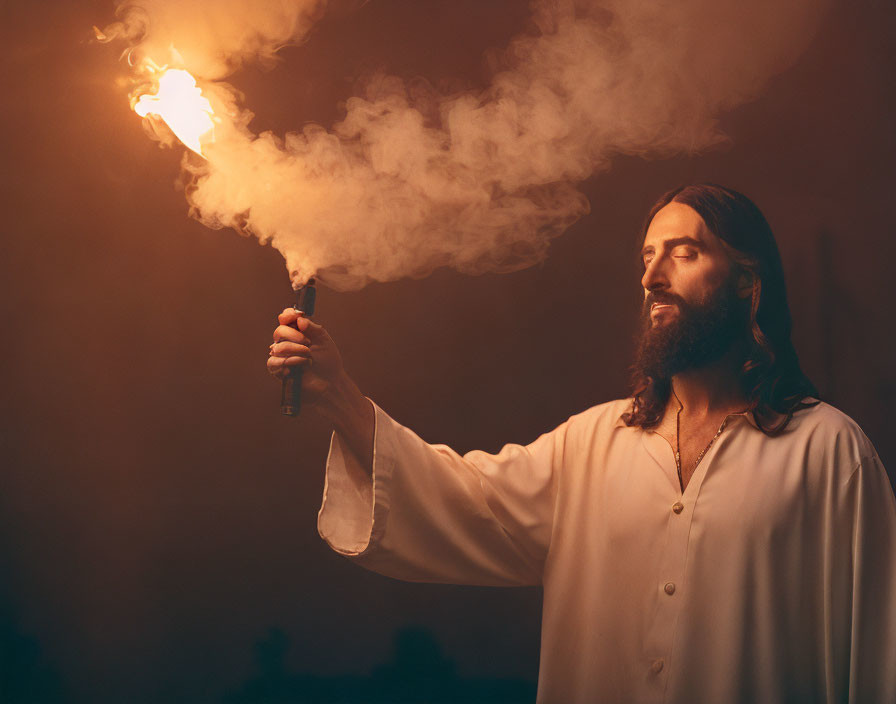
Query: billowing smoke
column 476, row 181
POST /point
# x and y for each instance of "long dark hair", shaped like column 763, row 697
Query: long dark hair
column 771, row 378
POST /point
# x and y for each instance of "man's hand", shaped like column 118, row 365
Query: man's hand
column 325, row 385
column 300, row 342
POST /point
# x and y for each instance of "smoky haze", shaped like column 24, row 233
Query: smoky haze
column 411, row 180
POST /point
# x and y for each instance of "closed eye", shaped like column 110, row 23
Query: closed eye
column 684, row 253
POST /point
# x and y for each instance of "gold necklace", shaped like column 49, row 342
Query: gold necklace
column 678, row 446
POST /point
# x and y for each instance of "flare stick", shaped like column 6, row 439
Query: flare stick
column 291, row 397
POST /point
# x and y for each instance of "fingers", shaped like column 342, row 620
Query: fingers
column 309, row 327
column 281, row 366
column 276, row 367
column 291, row 316
column 290, row 334
column 285, row 355
column 293, row 339
column 288, row 316
column 290, row 349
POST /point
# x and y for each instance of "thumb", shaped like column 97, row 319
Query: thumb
column 309, row 327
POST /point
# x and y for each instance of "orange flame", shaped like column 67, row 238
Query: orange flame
column 180, row 103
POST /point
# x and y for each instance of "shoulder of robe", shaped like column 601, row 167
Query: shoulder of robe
column 602, row 418
column 831, row 435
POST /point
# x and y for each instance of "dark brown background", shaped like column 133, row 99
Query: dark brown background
column 157, row 515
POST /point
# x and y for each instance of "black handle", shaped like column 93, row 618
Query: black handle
column 291, row 393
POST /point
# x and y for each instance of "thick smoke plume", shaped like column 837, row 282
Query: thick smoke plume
column 476, row 181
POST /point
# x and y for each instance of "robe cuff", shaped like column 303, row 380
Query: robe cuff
column 353, row 511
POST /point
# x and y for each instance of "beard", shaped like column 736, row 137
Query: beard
column 700, row 334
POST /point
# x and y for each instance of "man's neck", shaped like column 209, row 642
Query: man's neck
column 710, row 390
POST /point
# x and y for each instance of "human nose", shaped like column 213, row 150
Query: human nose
column 654, row 278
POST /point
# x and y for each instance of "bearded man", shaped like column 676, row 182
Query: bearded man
column 720, row 536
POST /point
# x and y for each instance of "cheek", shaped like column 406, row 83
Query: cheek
column 700, row 285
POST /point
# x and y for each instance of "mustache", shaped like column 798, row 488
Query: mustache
column 662, row 297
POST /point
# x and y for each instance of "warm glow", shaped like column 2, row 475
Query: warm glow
column 182, row 106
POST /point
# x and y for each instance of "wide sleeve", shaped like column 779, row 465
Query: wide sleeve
column 429, row 514
column 872, row 638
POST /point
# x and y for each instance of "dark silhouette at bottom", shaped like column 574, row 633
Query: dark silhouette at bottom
column 418, row 673
column 25, row 675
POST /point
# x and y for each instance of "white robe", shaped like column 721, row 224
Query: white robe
column 771, row 579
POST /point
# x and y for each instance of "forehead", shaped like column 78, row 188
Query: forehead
column 677, row 220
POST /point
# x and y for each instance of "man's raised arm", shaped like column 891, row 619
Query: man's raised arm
column 412, row 510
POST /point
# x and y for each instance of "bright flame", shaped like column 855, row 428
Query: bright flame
column 182, row 106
